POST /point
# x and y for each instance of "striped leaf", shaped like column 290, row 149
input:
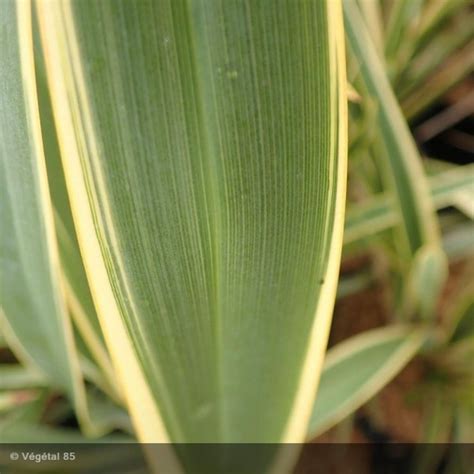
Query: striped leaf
column 398, row 150
column 356, row 369
column 34, row 316
column 204, row 149
column 33, row 311
column 16, row 377
column 378, row 214
column 76, row 289
column 402, row 171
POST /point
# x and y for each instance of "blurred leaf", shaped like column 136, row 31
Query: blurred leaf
column 14, row 431
column 350, row 284
column 403, row 163
column 13, row 399
column 453, row 71
column 418, row 70
column 434, row 16
column 377, row 214
column 396, row 154
column 425, row 281
column 30, row 289
column 31, row 285
column 464, row 201
column 464, row 425
column 404, row 16
column 463, row 316
column 28, row 250
column 372, row 14
column 438, row 418
column 457, row 241
column 14, row 376
column 356, row 369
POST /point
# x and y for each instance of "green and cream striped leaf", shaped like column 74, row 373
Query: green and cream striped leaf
column 427, row 63
column 457, row 67
column 372, row 13
column 437, row 23
column 11, row 400
column 434, row 17
column 401, row 169
column 204, row 149
column 21, row 432
column 17, row 377
column 447, row 187
column 457, row 241
column 399, row 155
column 33, row 309
column 356, row 369
column 404, row 14
column 78, row 297
column 30, row 295
column 33, row 312
column 425, row 282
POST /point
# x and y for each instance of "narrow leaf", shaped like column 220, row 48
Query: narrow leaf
column 14, row 377
column 33, row 312
column 402, row 158
column 379, row 213
column 78, row 297
column 32, row 306
column 356, row 369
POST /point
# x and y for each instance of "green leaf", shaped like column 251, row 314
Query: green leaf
column 457, row 241
column 372, row 14
column 464, row 428
column 204, row 149
column 398, row 152
column 434, row 16
column 462, row 318
column 443, row 46
column 356, row 369
column 32, row 314
column 33, row 311
column 29, row 433
column 77, row 293
column 14, row 376
column 12, row 400
column 378, row 213
column 453, row 71
column 403, row 14
column 425, row 281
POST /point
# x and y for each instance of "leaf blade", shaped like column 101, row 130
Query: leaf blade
column 28, row 251
column 223, row 217
column 356, row 369
column 402, row 158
